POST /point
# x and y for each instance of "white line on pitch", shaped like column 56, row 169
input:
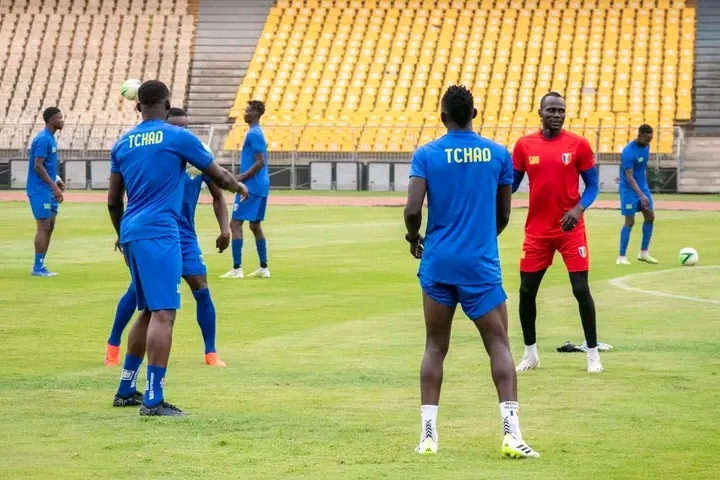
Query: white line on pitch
column 619, row 282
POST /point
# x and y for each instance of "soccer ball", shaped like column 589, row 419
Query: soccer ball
column 688, row 256
column 129, row 89
column 194, row 171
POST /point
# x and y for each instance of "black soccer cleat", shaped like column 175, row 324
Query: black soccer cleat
column 163, row 410
column 134, row 400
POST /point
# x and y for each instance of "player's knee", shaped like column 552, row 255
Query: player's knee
column 649, row 217
column 581, row 289
column 164, row 317
column 236, row 228
column 629, row 221
column 256, row 228
column 528, row 290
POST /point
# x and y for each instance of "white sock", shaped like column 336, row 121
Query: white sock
column 531, row 351
column 428, row 427
column 593, row 353
column 510, row 420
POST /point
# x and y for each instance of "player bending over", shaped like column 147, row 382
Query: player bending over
column 635, row 194
column 149, row 162
column 44, row 187
column 553, row 159
column 467, row 180
column 194, row 271
column 254, row 168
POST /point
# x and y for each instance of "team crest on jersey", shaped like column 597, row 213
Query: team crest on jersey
column 641, row 159
column 582, row 252
column 566, row 157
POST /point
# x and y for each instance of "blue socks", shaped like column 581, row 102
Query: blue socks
column 154, row 391
column 647, row 230
column 262, row 251
column 39, row 261
column 206, row 318
column 123, row 315
column 128, row 378
column 625, row 239
column 237, row 253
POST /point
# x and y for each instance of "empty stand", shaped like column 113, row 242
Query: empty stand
column 367, row 75
column 76, row 53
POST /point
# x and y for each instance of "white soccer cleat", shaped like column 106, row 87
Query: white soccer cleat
column 516, row 448
column 528, row 363
column 622, row 260
column 427, row 447
column 594, row 365
column 645, row 257
column 261, row 272
column 234, row 273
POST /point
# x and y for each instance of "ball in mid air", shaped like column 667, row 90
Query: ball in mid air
column 688, row 256
column 129, row 88
column 194, row 171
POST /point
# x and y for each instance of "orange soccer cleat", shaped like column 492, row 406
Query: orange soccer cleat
column 112, row 355
column 213, row 360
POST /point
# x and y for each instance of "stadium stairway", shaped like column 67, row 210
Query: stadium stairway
column 226, row 35
column 702, row 145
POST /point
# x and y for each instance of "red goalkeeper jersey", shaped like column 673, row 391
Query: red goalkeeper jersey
column 553, row 168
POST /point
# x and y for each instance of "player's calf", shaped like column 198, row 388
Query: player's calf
column 647, row 231
column 586, row 306
column 261, row 246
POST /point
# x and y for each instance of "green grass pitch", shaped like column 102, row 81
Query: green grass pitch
column 323, row 360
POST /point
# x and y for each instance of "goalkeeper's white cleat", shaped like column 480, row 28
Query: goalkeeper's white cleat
column 622, row 260
column 594, row 365
column 516, row 448
column 234, row 273
column 645, row 257
column 427, row 447
column 528, row 363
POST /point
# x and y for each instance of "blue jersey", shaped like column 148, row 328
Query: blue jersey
column 463, row 172
column 636, row 158
column 258, row 184
column 43, row 146
column 152, row 159
column 191, row 195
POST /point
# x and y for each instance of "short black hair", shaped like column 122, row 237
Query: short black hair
column 549, row 94
column 49, row 112
column 152, row 92
column 458, row 102
column 258, row 106
column 645, row 129
column 176, row 112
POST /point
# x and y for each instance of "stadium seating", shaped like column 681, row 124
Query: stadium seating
column 76, row 54
column 367, row 75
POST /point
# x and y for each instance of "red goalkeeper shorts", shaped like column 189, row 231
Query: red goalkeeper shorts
column 538, row 252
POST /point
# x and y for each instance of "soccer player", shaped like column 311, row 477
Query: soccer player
column 635, row 194
column 254, row 168
column 194, row 271
column 149, row 161
column 554, row 159
column 45, row 187
column 467, row 180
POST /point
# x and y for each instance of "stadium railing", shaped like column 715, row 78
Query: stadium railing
column 84, row 155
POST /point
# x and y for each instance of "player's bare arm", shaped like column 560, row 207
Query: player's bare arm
column 417, row 189
column 225, row 180
column 254, row 168
column 43, row 174
column 116, row 203
column 221, row 214
column 504, row 206
column 636, row 188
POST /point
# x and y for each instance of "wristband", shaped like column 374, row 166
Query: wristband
column 57, row 178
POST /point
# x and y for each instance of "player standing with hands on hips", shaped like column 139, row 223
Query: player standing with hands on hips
column 554, row 159
column 149, row 161
column 467, row 180
column 635, row 194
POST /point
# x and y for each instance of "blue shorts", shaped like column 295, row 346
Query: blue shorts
column 43, row 205
column 155, row 269
column 252, row 209
column 192, row 258
column 630, row 202
column 475, row 300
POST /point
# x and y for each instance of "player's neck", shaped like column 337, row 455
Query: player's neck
column 550, row 134
column 51, row 129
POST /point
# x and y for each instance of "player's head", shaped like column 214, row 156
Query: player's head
column 53, row 118
column 457, row 108
column 645, row 135
column 253, row 111
column 177, row 116
column 552, row 112
column 153, row 100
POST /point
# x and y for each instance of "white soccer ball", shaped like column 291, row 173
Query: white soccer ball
column 194, row 171
column 688, row 256
column 129, row 88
